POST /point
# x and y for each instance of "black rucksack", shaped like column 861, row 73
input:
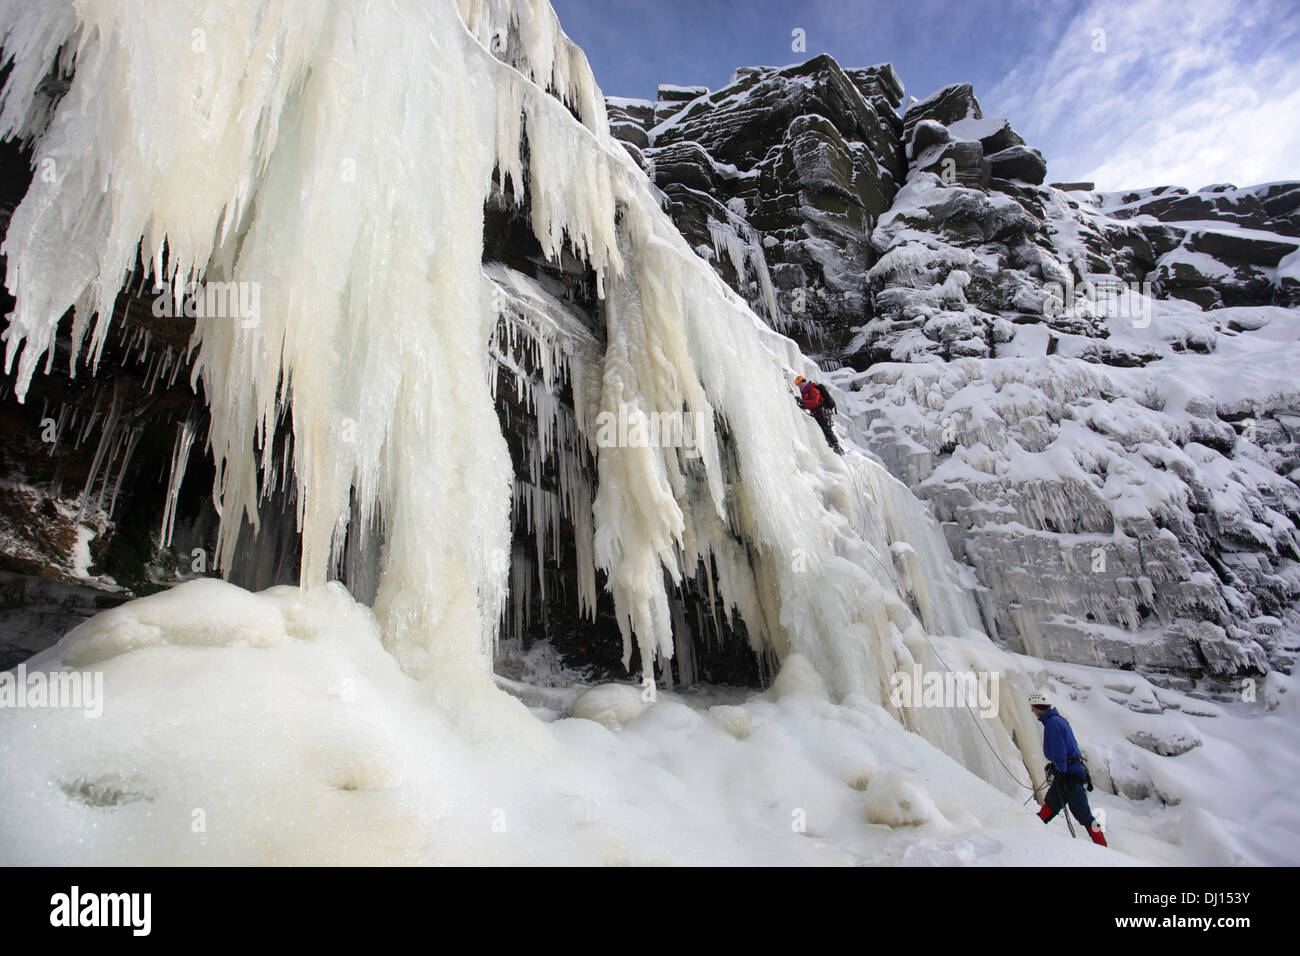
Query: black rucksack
column 827, row 402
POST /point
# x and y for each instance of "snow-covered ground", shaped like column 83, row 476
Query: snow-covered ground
column 274, row 728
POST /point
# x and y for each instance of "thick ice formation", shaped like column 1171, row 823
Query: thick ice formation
column 256, row 159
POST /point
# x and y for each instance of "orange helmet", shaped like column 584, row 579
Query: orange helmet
column 799, row 379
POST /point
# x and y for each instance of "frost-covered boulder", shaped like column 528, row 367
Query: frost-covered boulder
column 994, row 133
column 686, row 164
column 926, row 135
column 956, row 162
column 610, row 704
column 1119, row 769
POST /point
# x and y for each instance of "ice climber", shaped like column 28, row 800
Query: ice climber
column 815, row 399
column 1067, row 775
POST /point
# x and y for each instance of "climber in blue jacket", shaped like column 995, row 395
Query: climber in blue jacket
column 1066, row 773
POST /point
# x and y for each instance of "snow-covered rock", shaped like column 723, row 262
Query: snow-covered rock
column 610, row 704
column 1167, row 744
column 810, row 156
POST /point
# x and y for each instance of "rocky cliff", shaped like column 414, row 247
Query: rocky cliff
column 1095, row 392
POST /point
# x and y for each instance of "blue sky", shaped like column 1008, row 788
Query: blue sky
column 1125, row 92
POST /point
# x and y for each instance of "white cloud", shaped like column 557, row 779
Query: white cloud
column 1186, row 93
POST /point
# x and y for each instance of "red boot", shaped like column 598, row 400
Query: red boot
column 1045, row 813
column 1098, row 837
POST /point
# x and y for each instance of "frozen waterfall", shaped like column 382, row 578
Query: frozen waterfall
column 281, row 147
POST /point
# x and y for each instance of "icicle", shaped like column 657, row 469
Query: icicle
column 744, row 245
column 684, row 646
column 60, row 425
column 102, row 451
column 132, row 439
column 185, row 432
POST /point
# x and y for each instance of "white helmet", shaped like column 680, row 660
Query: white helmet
column 1039, row 700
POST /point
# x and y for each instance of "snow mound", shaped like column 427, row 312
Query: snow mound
column 180, row 617
column 798, row 676
column 897, row 799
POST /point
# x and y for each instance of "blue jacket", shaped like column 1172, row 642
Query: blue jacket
column 1059, row 745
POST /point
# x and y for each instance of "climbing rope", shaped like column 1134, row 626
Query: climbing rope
column 1033, row 791
column 939, row 657
column 889, row 576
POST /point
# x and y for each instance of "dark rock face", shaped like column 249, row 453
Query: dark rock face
column 797, row 166
column 35, row 612
column 926, row 135
column 1018, row 162
column 778, row 178
column 1221, row 246
column 1274, row 207
column 1003, row 138
column 684, row 164
column 960, row 162
column 637, row 112
column 945, row 106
